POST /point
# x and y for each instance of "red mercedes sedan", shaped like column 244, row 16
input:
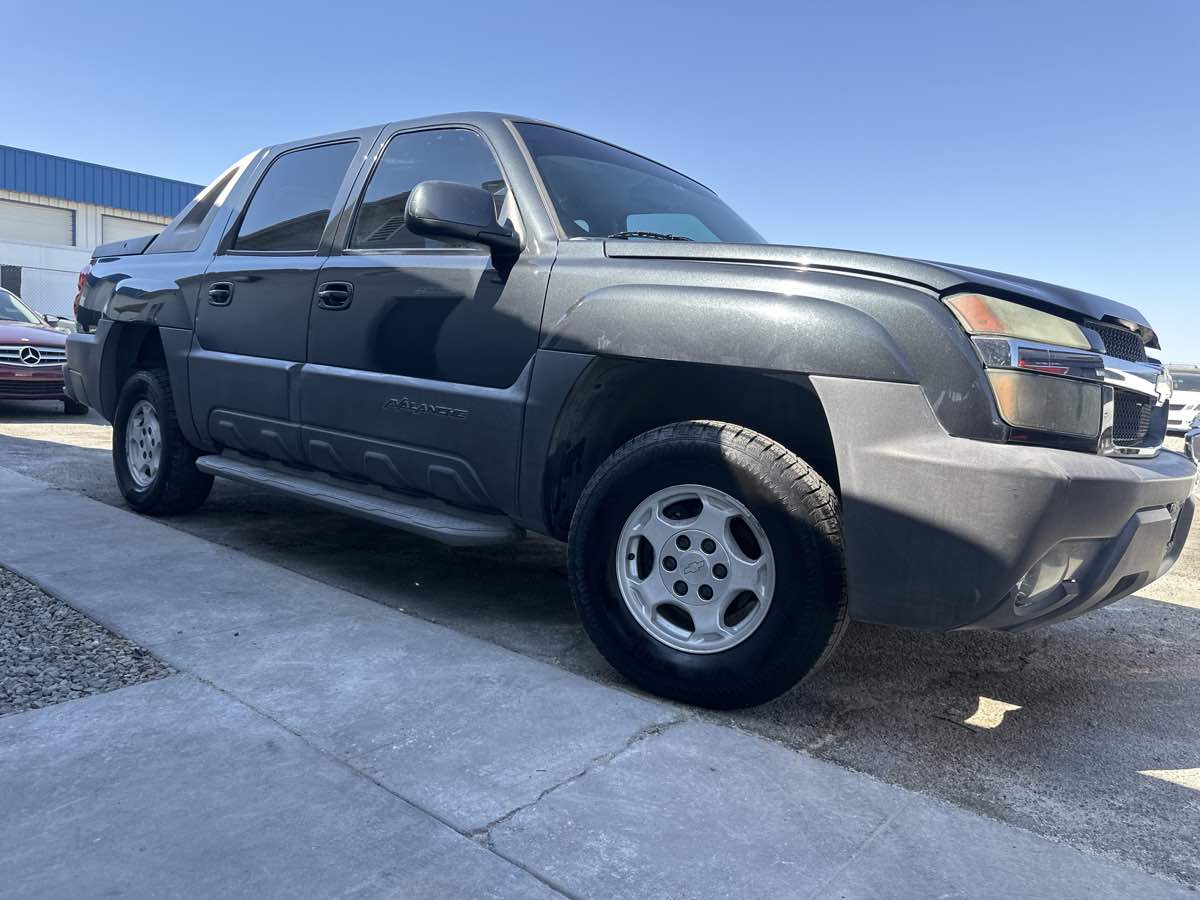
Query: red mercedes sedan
column 32, row 356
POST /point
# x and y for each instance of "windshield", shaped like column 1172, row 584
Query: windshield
column 13, row 310
column 1186, row 381
column 599, row 190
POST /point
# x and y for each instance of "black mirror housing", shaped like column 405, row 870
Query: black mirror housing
column 447, row 209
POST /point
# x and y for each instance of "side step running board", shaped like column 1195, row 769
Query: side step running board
column 420, row 515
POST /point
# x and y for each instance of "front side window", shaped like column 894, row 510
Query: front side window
column 13, row 310
column 445, row 154
column 292, row 202
column 600, row 190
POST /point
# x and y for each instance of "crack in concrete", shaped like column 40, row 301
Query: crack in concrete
column 483, row 834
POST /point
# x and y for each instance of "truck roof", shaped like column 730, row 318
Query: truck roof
column 481, row 119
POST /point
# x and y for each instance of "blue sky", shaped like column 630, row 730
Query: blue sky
column 1059, row 140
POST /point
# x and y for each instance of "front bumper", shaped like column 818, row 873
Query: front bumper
column 939, row 530
column 83, row 368
column 20, row 383
column 1178, row 423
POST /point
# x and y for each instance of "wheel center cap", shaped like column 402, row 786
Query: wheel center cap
column 686, row 563
column 692, row 565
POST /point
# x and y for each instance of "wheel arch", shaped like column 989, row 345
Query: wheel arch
column 127, row 348
column 616, row 399
column 130, row 346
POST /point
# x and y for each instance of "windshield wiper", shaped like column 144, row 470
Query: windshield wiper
column 653, row 235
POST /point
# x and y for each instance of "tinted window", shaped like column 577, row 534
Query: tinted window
column 598, row 190
column 13, row 310
column 450, row 154
column 292, row 203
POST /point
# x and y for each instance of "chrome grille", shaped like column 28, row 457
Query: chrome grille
column 1131, row 417
column 10, row 354
column 1120, row 342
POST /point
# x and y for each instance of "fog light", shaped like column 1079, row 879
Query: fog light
column 1052, row 578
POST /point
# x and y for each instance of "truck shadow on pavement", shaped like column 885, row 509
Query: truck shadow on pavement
column 1051, row 730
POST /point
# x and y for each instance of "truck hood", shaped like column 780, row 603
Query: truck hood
column 940, row 277
column 20, row 333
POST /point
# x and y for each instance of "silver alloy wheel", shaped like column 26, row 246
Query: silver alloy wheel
column 695, row 568
column 143, row 443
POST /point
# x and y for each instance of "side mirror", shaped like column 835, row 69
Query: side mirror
column 447, row 209
column 50, row 320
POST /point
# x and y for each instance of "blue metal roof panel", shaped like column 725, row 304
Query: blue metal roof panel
column 30, row 172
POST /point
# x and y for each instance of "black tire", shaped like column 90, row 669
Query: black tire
column 796, row 509
column 178, row 486
column 71, row 408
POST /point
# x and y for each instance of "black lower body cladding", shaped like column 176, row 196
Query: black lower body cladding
column 939, row 530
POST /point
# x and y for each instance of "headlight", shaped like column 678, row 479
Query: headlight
column 991, row 315
column 1048, row 402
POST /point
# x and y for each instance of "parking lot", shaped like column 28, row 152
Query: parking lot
column 1087, row 732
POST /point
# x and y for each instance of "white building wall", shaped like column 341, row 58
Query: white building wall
column 50, row 272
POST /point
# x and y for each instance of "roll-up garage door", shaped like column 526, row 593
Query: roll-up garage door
column 118, row 228
column 33, row 224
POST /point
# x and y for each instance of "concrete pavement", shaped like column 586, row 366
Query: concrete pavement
column 321, row 744
column 1085, row 732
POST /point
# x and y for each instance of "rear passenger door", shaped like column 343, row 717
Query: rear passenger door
column 419, row 349
column 252, row 312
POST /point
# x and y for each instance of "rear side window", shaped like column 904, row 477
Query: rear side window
column 292, row 202
column 447, row 154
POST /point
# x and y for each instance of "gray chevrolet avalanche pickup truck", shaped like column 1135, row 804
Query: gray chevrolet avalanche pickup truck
column 473, row 326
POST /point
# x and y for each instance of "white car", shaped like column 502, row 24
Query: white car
column 1185, row 401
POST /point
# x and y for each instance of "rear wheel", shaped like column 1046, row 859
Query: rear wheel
column 706, row 564
column 154, row 464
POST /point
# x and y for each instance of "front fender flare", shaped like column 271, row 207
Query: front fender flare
column 733, row 327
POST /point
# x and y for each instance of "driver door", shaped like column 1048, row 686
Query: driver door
column 419, row 350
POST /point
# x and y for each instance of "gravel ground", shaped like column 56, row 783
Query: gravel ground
column 50, row 652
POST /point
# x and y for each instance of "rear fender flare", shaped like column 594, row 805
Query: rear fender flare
column 127, row 342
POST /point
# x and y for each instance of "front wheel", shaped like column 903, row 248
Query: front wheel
column 154, row 464
column 706, row 564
